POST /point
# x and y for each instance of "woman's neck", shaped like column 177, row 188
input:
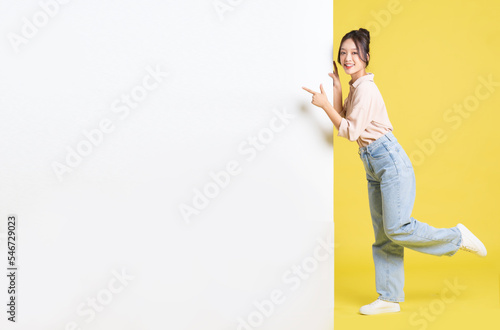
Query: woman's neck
column 358, row 75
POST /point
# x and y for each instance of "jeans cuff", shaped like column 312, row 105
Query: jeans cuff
column 392, row 299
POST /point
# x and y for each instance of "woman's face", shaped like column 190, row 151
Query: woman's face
column 349, row 58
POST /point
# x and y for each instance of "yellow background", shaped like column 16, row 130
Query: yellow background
column 427, row 57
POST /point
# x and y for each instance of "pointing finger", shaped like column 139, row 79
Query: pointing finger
column 310, row 91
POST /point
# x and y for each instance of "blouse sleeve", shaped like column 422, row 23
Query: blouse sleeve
column 359, row 114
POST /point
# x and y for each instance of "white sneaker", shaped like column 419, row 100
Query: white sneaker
column 380, row 306
column 471, row 243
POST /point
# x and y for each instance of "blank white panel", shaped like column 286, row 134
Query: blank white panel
column 118, row 115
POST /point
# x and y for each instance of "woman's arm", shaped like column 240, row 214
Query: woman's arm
column 337, row 99
column 333, row 114
column 361, row 111
column 321, row 100
column 337, row 89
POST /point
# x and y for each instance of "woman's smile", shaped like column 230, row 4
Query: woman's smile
column 348, row 66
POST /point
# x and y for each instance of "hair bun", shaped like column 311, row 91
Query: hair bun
column 365, row 32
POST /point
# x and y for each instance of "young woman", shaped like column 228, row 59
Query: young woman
column 391, row 181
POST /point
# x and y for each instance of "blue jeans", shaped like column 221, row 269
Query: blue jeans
column 391, row 191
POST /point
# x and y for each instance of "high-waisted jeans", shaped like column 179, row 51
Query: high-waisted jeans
column 391, row 190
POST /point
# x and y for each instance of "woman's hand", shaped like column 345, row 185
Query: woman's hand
column 335, row 76
column 319, row 99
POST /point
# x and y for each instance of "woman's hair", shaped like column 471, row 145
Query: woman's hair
column 361, row 39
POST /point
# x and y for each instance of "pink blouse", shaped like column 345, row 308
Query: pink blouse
column 364, row 115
